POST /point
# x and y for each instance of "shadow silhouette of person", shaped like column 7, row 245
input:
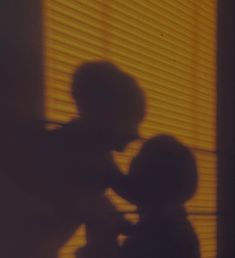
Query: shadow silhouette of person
column 72, row 166
column 164, row 177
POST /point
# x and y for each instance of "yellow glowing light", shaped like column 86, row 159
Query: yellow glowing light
column 170, row 47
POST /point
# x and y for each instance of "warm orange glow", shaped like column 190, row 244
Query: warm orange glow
column 170, row 47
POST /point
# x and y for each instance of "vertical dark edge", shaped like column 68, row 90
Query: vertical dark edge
column 21, row 60
column 225, row 128
column 40, row 96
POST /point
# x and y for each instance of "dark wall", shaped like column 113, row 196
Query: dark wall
column 225, row 127
column 21, row 60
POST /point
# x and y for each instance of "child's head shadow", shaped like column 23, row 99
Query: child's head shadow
column 163, row 173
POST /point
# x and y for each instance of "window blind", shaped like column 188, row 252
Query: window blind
column 170, row 48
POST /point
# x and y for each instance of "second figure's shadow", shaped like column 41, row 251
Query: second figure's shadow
column 163, row 177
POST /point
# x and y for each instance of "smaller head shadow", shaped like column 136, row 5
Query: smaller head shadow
column 164, row 177
column 165, row 170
